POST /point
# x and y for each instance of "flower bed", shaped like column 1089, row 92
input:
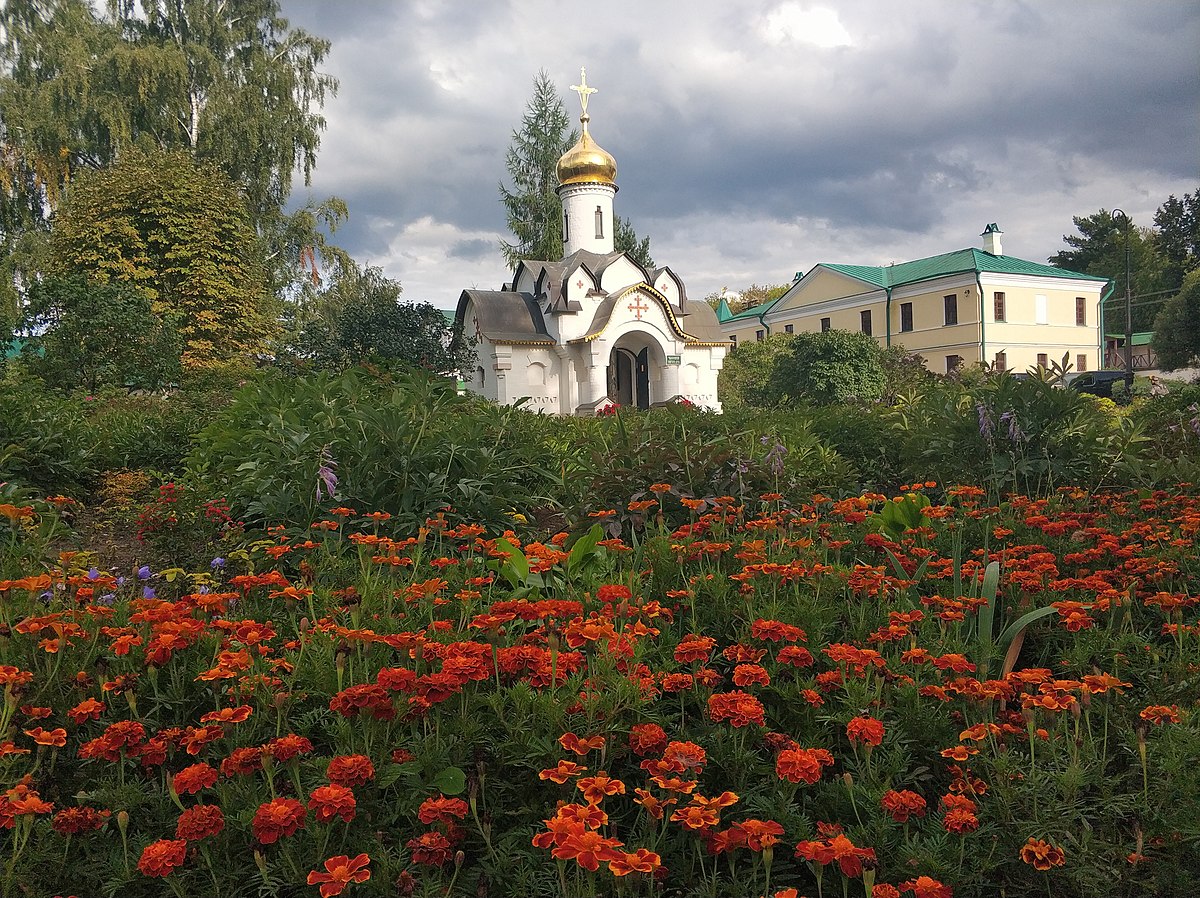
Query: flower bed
column 866, row 696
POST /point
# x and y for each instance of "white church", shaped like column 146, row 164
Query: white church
column 594, row 329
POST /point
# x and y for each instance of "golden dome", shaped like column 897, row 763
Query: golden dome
column 587, row 161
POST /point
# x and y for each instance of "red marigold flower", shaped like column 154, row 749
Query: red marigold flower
column 883, row 890
column 287, row 747
column 200, row 822
column 739, row 708
column 960, row 821
column 795, row 656
column 1042, row 855
column 161, row 858
column 242, row 761
column 694, row 648
column 902, row 804
column 339, row 872
column 776, row 631
column 646, row 739
column 926, row 887
column 276, row 818
column 866, row 730
column 802, row 765
column 751, row 675
column 431, row 849
column 350, row 770
column 849, row 857
column 228, row 715
column 191, row 780
column 70, row 821
column 327, row 802
column 442, row 810
column 612, row 593
column 368, row 698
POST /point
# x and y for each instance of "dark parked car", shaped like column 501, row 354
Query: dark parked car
column 1098, row 383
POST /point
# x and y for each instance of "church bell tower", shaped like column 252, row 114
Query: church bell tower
column 586, row 185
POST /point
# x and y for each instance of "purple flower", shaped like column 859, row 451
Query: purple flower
column 143, row 573
column 986, row 428
column 107, row 599
column 93, row 573
column 148, row 592
column 217, row 563
column 325, row 475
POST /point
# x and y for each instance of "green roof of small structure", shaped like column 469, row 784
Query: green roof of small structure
column 1142, row 339
column 957, row 262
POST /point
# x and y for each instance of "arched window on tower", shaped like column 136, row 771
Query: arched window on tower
column 599, row 223
column 566, row 227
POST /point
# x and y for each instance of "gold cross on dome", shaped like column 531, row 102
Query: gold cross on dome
column 583, row 90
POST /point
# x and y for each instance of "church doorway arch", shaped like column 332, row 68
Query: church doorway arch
column 634, row 371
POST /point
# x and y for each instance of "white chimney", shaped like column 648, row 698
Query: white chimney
column 991, row 240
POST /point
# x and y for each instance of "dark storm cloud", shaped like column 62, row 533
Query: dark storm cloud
column 750, row 134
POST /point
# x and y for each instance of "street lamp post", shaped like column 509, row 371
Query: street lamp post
column 1128, row 307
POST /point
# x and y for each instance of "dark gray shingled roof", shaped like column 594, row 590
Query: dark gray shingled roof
column 504, row 316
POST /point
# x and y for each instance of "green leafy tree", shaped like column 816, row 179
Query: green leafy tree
column 1176, row 339
column 1099, row 249
column 532, row 206
column 230, row 83
column 1178, row 237
column 93, row 335
column 181, row 234
column 363, row 320
column 747, row 297
column 834, row 366
column 749, row 374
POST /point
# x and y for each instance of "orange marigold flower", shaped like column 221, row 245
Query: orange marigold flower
column 339, row 872
column 927, row 887
column 1160, row 714
column 442, row 810
column 327, row 802
column 161, row 858
column 571, row 742
column 200, row 822
column 596, row 788
column 350, row 770
column 866, row 730
column 55, row 738
column 750, row 675
column 1042, row 855
column 191, row 780
column 88, row 709
column 641, row 861
column 589, row 849
column 564, row 771
column 960, row 821
column 884, row 890
column 694, row 648
column 276, row 818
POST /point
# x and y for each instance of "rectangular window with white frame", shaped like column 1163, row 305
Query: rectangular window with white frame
column 906, row 317
column 950, row 305
column 1041, row 313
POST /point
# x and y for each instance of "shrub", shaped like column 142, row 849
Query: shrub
column 830, row 367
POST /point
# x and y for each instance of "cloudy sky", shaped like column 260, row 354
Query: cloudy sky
column 754, row 139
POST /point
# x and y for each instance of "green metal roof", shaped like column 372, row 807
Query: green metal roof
column 756, row 312
column 957, row 262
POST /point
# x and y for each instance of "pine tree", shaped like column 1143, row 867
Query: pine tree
column 532, row 206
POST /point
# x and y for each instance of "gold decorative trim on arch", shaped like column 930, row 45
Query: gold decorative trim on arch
column 660, row 299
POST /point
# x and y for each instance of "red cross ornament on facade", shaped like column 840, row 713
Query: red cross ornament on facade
column 637, row 307
column 579, row 283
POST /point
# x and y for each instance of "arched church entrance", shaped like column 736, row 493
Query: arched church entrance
column 633, row 371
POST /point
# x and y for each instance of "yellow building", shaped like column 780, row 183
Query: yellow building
column 959, row 308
